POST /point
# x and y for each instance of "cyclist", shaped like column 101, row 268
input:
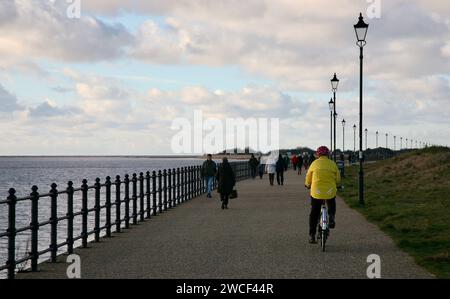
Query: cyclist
column 322, row 178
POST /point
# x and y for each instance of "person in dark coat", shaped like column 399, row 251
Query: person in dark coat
column 226, row 181
column 280, row 168
column 261, row 168
column 253, row 165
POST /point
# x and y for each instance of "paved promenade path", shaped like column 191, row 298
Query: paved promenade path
column 264, row 234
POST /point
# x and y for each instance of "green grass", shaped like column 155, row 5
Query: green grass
column 408, row 197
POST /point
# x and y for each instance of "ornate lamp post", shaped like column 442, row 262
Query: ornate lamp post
column 354, row 139
column 343, row 136
column 361, row 31
column 331, row 106
column 334, row 87
column 377, row 138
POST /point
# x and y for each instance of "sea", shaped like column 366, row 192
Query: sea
column 21, row 173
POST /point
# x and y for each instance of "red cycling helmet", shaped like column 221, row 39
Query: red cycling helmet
column 322, row 151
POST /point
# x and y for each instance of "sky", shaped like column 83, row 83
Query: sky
column 112, row 80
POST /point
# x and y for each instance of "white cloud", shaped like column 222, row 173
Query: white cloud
column 41, row 29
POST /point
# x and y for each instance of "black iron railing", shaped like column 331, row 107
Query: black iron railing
column 143, row 196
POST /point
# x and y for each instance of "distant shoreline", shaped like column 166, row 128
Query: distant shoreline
column 103, row 156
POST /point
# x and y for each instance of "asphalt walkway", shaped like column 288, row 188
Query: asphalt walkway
column 263, row 234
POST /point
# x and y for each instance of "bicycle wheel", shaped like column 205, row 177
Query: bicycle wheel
column 323, row 240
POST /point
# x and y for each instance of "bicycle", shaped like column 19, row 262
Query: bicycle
column 323, row 226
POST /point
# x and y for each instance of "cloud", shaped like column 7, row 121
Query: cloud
column 41, row 29
column 8, row 102
column 49, row 109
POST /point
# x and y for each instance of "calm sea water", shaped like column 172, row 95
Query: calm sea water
column 22, row 173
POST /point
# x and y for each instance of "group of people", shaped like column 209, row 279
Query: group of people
column 225, row 176
column 322, row 178
column 302, row 161
column 271, row 167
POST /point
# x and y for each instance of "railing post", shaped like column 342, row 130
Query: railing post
column 148, row 195
column 189, row 182
column 182, row 182
column 195, row 169
column 141, row 196
column 53, row 223
column 34, row 228
column 160, row 205
column 165, row 189
column 84, row 213
column 118, row 201
column 186, row 183
column 174, row 187
column 108, row 206
column 169, row 187
column 70, row 217
column 154, row 192
column 199, row 181
column 194, row 181
column 97, row 187
column 126, row 182
column 11, row 263
column 178, row 186
column 134, row 180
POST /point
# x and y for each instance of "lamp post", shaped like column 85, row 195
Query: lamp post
column 377, row 138
column 366, row 137
column 416, row 143
column 354, row 139
column 343, row 136
column 334, row 86
column 331, row 105
column 361, row 32
column 401, row 143
column 411, row 143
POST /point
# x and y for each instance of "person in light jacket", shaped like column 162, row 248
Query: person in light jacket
column 271, row 169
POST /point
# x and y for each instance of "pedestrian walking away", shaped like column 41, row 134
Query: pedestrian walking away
column 300, row 163
column 322, row 179
column 286, row 162
column 294, row 161
column 280, row 168
column 271, row 169
column 226, row 181
column 208, row 172
column 261, row 168
column 253, row 162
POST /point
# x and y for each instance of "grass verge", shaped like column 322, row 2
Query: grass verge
column 408, row 197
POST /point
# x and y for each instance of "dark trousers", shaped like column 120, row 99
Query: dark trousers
column 316, row 206
column 253, row 172
column 271, row 178
column 224, row 198
column 295, row 166
column 280, row 177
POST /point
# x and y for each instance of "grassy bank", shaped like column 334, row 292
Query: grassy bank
column 408, row 197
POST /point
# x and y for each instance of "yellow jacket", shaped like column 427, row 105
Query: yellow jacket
column 323, row 176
